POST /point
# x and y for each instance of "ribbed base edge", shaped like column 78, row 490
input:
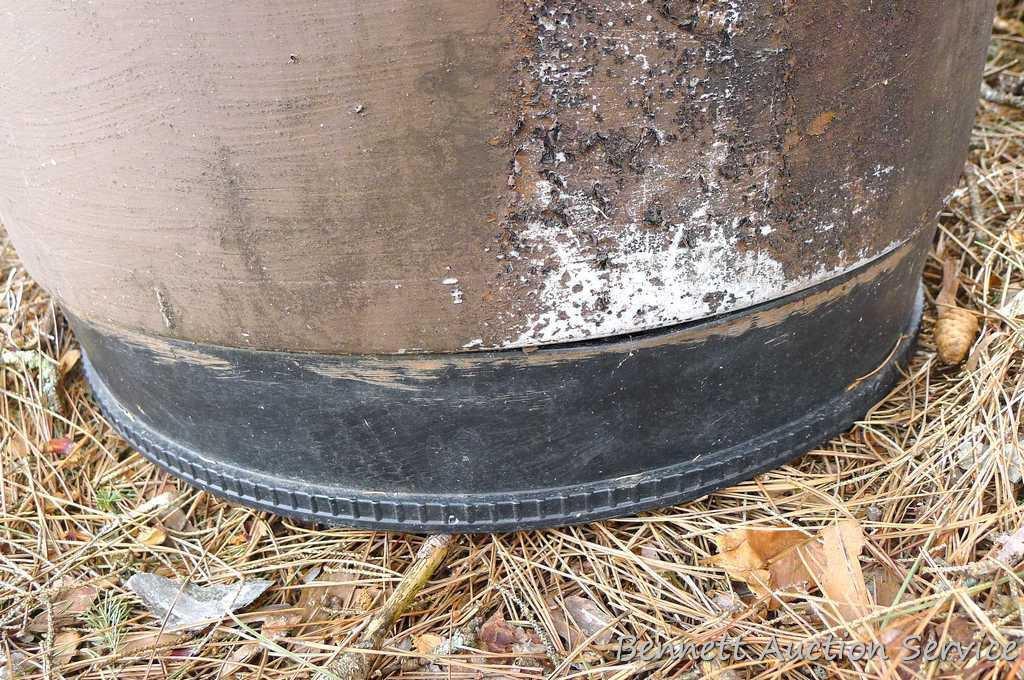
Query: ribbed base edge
column 496, row 512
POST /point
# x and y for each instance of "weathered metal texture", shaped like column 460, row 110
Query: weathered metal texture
column 385, row 177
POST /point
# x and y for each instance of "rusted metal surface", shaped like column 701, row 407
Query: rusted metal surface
column 397, row 177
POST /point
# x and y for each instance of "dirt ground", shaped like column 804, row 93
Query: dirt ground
column 905, row 530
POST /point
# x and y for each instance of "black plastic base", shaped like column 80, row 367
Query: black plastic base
column 497, row 441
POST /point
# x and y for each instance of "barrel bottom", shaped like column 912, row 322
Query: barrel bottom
column 497, row 441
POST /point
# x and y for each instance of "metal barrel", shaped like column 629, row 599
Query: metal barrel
column 468, row 265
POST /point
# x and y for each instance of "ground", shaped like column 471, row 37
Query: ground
column 907, row 527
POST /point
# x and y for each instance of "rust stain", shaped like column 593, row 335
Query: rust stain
column 820, row 123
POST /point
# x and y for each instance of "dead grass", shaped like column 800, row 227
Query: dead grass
column 932, row 475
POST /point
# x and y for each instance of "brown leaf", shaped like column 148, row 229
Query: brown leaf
column 830, row 563
column 745, row 553
column 1016, row 237
column 153, row 536
column 789, row 571
column 841, row 579
column 70, row 602
column 175, row 520
column 425, row 644
column 498, row 635
column 589, row 618
column 279, row 619
column 893, row 637
column 560, row 622
column 65, row 644
column 773, row 561
column 333, row 590
column 237, row 661
column 961, row 631
column 61, row 446
column 883, row 585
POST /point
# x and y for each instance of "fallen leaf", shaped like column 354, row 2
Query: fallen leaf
column 237, row 661
column 153, row 536
column 137, row 643
column 590, row 618
column 498, row 635
column 789, row 571
column 65, row 644
column 560, row 622
column 1016, row 237
column 772, row 561
column 841, row 579
column 745, row 553
column 332, row 590
column 188, row 606
column 279, row 619
column 425, row 644
column 883, row 585
column 961, row 631
column 893, row 637
column 175, row 520
column 70, row 602
column 61, row 446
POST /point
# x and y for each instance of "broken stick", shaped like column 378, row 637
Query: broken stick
column 355, row 664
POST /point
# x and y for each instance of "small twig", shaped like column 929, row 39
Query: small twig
column 977, row 212
column 542, row 633
column 991, row 94
column 355, row 665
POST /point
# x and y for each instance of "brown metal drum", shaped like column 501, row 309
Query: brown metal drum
column 483, row 264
